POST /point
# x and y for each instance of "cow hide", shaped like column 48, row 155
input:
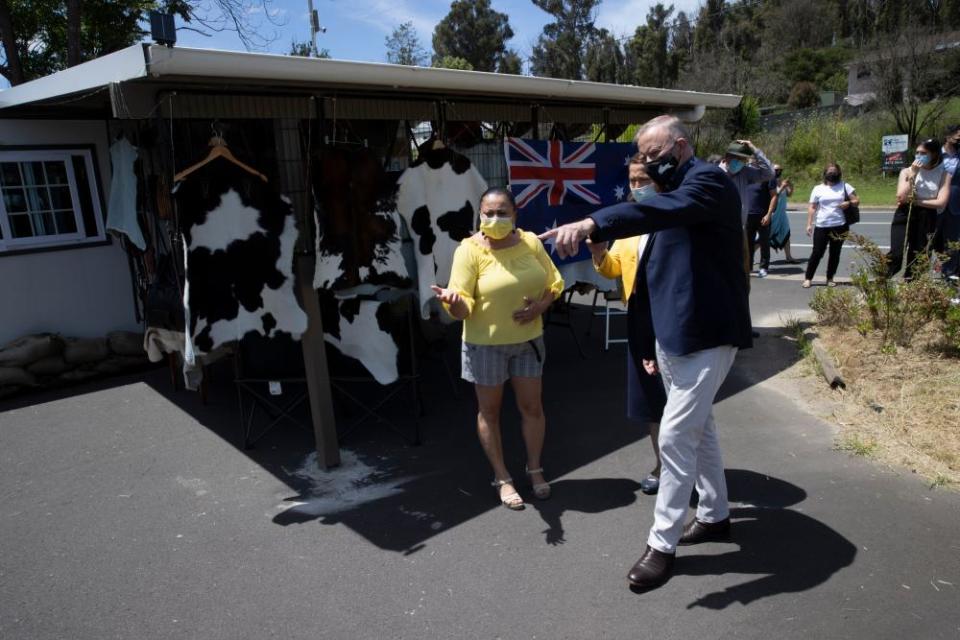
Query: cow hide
column 437, row 197
column 239, row 237
column 368, row 331
column 358, row 241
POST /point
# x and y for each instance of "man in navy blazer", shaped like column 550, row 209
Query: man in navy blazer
column 692, row 316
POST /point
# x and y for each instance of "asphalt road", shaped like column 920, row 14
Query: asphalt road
column 874, row 224
column 127, row 510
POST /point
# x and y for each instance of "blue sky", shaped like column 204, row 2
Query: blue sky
column 356, row 29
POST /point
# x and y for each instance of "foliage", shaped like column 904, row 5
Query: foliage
column 511, row 63
column 43, row 36
column 897, row 309
column 559, row 51
column 403, row 46
column 816, row 66
column 744, row 120
column 304, row 49
column 452, row 62
column 838, row 307
column 804, row 95
column 604, row 59
column 907, row 72
column 651, row 60
column 472, row 31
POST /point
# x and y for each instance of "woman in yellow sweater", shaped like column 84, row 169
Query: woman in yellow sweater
column 501, row 282
column 646, row 395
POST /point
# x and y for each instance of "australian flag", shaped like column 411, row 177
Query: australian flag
column 559, row 182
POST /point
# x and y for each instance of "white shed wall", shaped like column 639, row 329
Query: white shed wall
column 83, row 292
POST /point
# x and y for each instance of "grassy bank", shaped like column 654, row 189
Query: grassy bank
column 874, row 190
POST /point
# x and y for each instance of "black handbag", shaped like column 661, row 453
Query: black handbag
column 851, row 215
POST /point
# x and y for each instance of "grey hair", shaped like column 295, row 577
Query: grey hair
column 671, row 123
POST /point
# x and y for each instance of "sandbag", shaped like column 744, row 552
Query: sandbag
column 85, row 350
column 17, row 376
column 125, row 343
column 77, row 375
column 29, row 349
column 49, row 366
column 119, row 364
column 9, row 390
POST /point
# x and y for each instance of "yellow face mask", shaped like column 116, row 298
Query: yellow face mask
column 496, row 227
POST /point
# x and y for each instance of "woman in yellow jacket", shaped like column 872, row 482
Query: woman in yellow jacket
column 501, row 282
column 646, row 395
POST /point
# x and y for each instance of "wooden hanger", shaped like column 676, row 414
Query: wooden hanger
column 218, row 149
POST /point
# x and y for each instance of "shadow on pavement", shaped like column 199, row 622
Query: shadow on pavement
column 398, row 496
column 787, row 551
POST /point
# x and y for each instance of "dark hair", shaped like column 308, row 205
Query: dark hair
column 637, row 158
column 933, row 147
column 951, row 130
column 500, row 191
column 827, row 168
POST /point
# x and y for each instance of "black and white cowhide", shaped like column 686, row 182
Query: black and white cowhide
column 437, row 197
column 358, row 242
column 371, row 332
column 239, row 236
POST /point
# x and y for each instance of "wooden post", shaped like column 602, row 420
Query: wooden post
column 315, row 363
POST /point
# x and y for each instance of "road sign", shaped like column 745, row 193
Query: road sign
column 895, row 152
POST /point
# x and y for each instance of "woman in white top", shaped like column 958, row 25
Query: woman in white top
column 829, row 229
column 922, row 192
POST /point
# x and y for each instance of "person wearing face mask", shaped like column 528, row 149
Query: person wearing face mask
column 690, row 314
column 646, row 396
column 746, row 165
column 829, row 229
column 501, row 283
column 923, row 191
column 948, row 223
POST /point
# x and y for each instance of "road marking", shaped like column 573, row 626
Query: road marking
column 844, row 247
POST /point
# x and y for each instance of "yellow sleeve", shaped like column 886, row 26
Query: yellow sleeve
column 611, row 266
column 463, row 274
column 554, row 279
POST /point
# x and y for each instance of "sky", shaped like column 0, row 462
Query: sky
column 356, row 29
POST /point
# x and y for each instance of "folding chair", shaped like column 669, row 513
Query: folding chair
column 608, row 312
column 270, row 380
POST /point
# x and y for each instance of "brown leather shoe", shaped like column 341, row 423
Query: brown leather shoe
column 652, row 569
column 696, row 532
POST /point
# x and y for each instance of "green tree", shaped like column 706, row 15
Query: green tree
column 510, row 63
column 648, row 50
column 710, row 19
column 40, row 37
column 559, row 51
column 452, row 62
column 403, row 46
column 804, row 95
column 304, row 49
column 474, row 32
column 603, row 59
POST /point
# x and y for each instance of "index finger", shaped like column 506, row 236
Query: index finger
column 549, row 233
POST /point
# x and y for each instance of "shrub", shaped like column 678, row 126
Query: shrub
column 804, row 95
column 898, row 309
column 838, row 307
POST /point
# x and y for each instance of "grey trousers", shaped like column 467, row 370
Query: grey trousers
column 689, row 448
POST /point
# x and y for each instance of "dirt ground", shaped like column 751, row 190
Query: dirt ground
column 902, row 409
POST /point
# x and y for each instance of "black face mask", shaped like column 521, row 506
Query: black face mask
column 832, row 177
column 662, row 171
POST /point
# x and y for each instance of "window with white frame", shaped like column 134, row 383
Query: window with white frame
column 49, row 198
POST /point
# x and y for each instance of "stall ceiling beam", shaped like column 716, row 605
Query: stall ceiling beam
column 370, row 109
column 213, row 105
